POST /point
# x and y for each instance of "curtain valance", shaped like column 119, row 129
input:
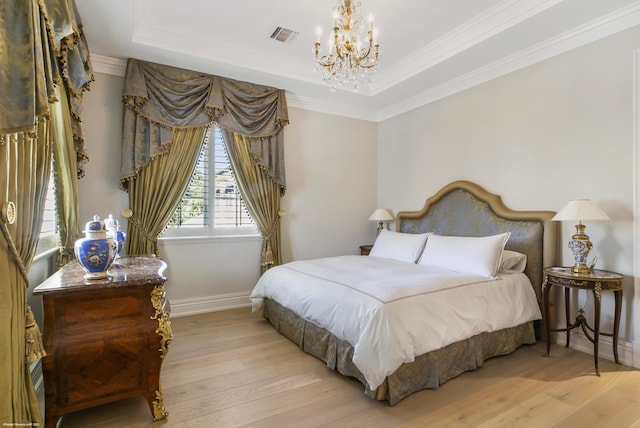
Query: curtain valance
column 41, row 45
column 160, row 98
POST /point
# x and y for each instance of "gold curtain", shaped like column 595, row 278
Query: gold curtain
column 156, row 192
column 261, row 196
column 25, row 166
column 66, row 180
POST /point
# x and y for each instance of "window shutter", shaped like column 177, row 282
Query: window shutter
column 229, row 206
column 212, row 199
column 49, row 224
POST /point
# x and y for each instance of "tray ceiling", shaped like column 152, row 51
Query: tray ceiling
column 429, row 49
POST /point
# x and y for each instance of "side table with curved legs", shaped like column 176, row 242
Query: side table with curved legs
column 596, row 281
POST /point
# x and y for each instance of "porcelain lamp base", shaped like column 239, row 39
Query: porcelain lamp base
column 580, row 247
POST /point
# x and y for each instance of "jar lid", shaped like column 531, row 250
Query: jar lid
column 95, row 225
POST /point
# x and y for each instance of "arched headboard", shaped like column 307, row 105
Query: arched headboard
column 463, row 208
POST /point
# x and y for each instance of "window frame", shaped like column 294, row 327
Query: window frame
column 211, row 230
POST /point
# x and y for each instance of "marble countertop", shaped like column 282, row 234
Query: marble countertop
column 128, row 271
column 595, row 274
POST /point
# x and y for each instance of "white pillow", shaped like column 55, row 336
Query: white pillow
column 475, row 255
column 513, row 262
column 404, row 247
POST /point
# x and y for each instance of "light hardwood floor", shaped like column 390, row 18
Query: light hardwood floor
column 231, row 369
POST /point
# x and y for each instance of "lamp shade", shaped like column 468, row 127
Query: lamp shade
column 381, row 214
column 580, row 209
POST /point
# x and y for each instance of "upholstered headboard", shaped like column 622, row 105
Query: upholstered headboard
column 463, row 208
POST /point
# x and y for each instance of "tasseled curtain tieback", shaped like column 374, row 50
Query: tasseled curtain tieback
column 266, row 258
column 128, row 214
column 34, row 350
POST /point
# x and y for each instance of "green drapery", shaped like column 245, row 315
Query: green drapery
column 161, row 99
column 156, row 193
column 41, row 47
column 262, row 197
column 65, row 178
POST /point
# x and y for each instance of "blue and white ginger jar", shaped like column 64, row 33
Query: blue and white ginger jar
column 96, row 252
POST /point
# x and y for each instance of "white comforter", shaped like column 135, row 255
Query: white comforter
column 391, row 312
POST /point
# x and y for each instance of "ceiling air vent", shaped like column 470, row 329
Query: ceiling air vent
column 284, row 35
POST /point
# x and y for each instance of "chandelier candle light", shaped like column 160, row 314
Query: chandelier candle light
column 350, row 59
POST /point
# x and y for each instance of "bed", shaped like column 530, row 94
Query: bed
column 435, row 298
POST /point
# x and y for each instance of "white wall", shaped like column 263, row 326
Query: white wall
column 555, row 131
column 331, row 170
column 99, row 192
column 331, row 185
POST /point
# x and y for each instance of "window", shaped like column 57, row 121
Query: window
column 212, row 204
column 49, row 230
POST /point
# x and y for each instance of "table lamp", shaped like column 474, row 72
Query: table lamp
column 580, row 245
column 381, row 215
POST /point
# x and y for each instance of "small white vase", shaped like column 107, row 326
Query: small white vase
column 114, row 232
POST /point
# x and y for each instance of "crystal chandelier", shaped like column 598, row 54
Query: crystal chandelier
column 352, row 56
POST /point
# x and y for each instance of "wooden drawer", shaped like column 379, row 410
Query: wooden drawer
column 93, row 368
column 99, row 311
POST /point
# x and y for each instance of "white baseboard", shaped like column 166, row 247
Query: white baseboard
column 181, row 308
column 579, row 342
column 636, row 354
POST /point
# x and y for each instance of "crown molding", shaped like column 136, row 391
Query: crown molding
column 499, row 18
column 108, row 65
column 322, row 106
column 605, row 26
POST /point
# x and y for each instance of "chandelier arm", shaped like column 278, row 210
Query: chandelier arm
column 326, row 61
column 363, row 55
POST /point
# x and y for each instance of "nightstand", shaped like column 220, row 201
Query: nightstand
column 365, row 249
column 596, row 281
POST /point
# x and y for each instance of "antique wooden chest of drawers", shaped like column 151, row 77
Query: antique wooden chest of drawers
column 105, row 339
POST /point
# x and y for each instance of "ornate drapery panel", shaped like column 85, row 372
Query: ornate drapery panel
column 41, row 45
column 159, row 98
